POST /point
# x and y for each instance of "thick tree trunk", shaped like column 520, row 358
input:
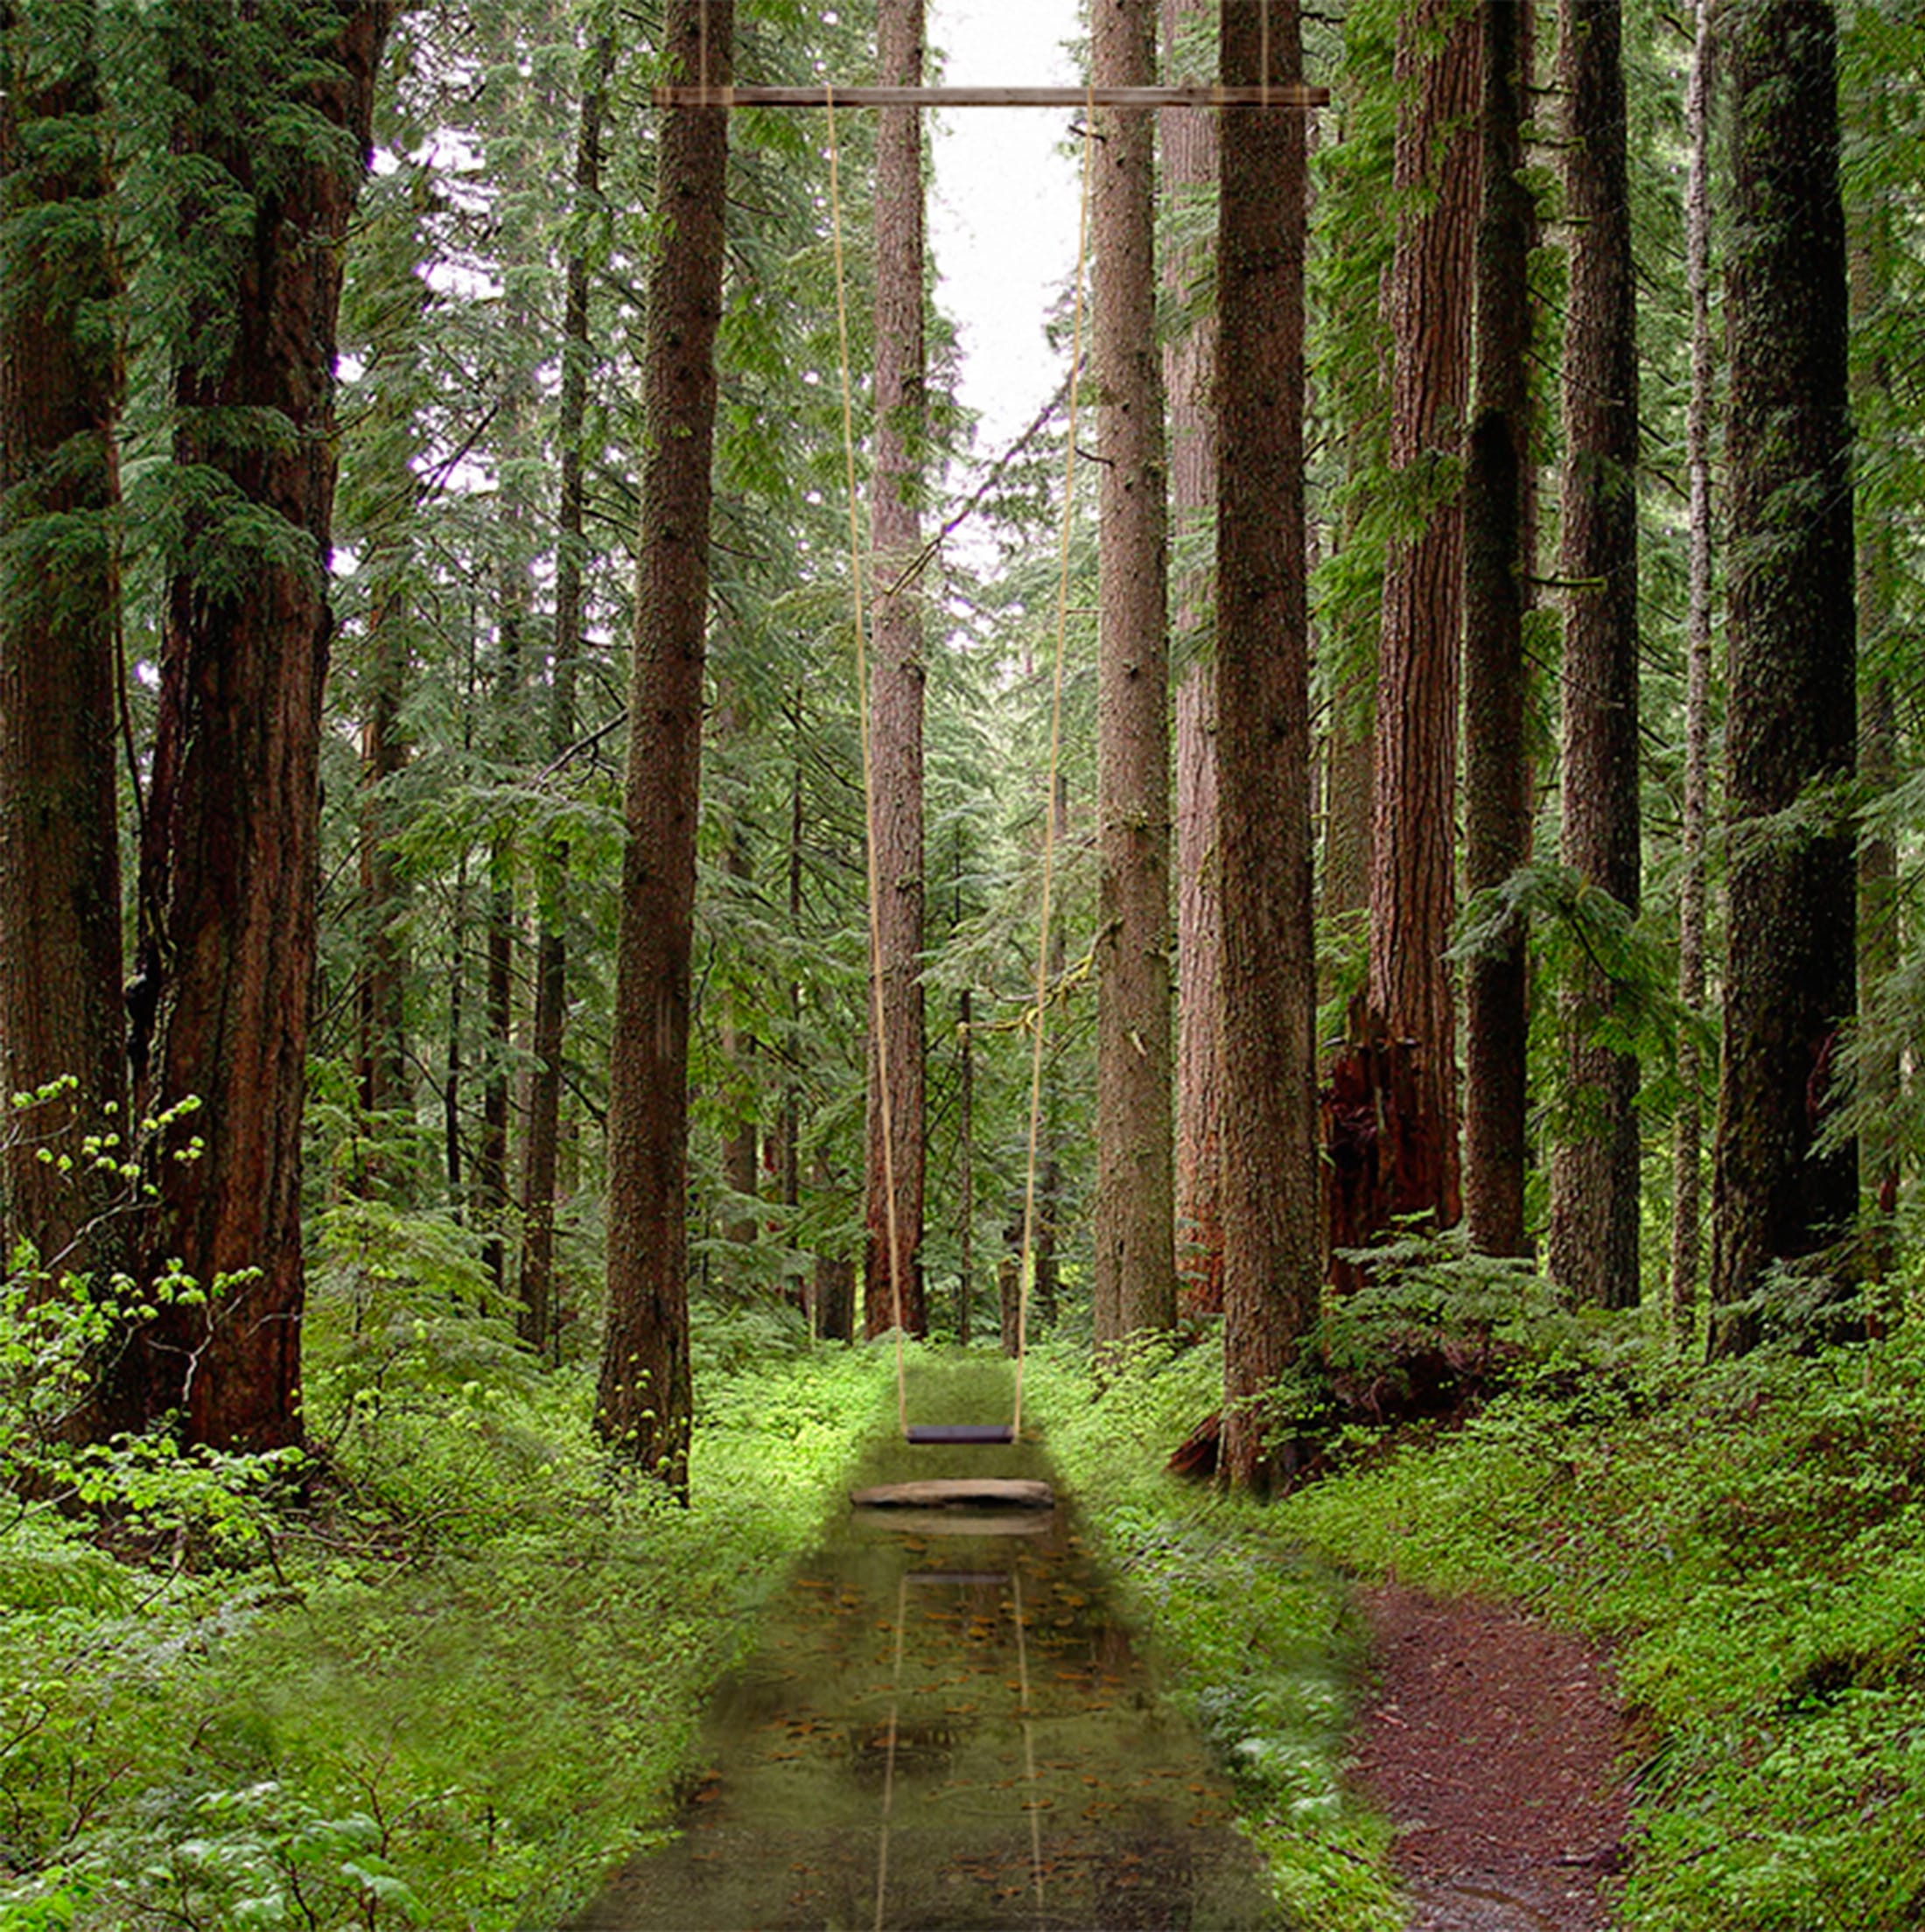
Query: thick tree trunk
column 231, row 841
column 1271, row 1246
column 60, row 1010
column 1592, row 1247
column 1497, row 571
column 1791, row 717
column 1189, row 375
column 893, row 1286
column 643, row 1401
column 535, row 1321
column 1414, row 1166
column 1133, row 1266
column 1687, row 1151
column 965, row 1162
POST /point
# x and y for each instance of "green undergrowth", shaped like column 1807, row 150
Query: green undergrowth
column 450, row 1687
column 1256, row 1638
column 1751, row 1543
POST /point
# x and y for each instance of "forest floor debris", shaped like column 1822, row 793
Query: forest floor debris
column 1495, row 1745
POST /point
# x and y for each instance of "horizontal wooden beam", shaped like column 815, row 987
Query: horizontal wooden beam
column 1202, row 95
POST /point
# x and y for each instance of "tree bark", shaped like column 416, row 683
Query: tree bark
column 1414, row 1170
column 643, row 1401
column 1271, row 1247
column 491, row 1163
column 1593, row 1246
column 230, row 844
column 1870, row 247
column 1133, row 1264
column 1497, row 571
column 61, row 383
column 536, row 1320
column 1688, row 1152
column 1791, row 717
column 892, row 1286
column 1189, row 374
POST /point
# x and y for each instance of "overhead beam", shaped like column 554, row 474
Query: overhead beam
column 1196, row 95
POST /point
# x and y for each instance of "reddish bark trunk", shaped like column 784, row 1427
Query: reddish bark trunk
column 1270, row 1186
column 61, row 1013
column 644, row 1399
column 231, row 839
column 1591, row 1249
column 1133, row 1265
column 1189, row 375
column 1497, row 571
column 1413, row 818
column 893, row 1285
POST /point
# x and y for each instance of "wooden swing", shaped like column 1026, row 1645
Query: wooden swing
column 828, row 97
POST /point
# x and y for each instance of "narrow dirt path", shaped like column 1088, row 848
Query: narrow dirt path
column 1496, row 1748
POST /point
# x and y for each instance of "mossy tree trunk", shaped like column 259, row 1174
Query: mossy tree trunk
column 1791, row 728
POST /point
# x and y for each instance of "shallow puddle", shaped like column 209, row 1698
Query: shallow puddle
column 946, row 1726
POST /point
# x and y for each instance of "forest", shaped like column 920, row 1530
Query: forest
column 600, row 892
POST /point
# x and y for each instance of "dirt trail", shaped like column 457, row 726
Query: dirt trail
column 1496, row 1748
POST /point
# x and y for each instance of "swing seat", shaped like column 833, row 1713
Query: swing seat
column 959, row 1431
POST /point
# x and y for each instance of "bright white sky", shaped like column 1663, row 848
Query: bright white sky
column 1002, row 204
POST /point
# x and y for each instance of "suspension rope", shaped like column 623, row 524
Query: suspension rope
column 1026, row 1265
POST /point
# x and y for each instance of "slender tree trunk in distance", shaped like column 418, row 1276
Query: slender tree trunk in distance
column 536, row 1318
column 896, row 688
column 1133, row 1266
column 741, row 1139
column 1592, row 1250
column 1497, row 570
column 643, row 1400
column 451, row 1096
column 832, row 1294
column 965, row 1127
column 1189, row 374
column 1405, row 1061
column 1688, row 1152
column 382, row 1072
column 1270, row 1244
column 231, row 842
column 491, row 1164
column 1791, row 719
column 61, row 383
column 1870, row 244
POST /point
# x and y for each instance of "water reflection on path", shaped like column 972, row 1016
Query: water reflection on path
column 945, row 1726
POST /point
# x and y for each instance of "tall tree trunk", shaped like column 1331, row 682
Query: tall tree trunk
column 1406, row 1060
column 231, row 841
column 1189, row 374
column 892, row 1286
column 643, row 1401
column 1592, row 1247
column 1792, row 704
column 965, row 1133
column 1870, row 245
column 1133, row 1266
column 536, row 1320
column 61, row 1012
column 1497, row 570
column 1688, row 1153
column 1271, row 1247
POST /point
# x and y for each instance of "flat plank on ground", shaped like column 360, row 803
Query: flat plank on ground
column 933, row 1492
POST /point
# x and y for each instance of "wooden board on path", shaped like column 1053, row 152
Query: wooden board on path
column 983, row 1491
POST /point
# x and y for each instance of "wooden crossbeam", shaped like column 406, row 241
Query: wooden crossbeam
column 1195, row 94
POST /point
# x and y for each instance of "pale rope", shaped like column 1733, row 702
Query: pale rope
column 1027, row 1265
column 868, row 776
column 1055, row 759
